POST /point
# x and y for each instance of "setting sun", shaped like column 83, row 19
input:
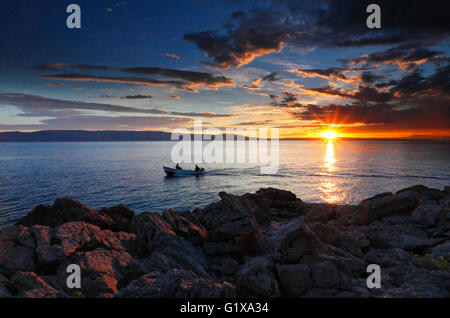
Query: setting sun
column 329, row 134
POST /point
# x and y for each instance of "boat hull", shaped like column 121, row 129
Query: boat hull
column 182, row 172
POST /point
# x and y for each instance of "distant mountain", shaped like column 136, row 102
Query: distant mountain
column 82, row 135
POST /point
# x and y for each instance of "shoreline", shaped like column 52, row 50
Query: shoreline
column 264, row 244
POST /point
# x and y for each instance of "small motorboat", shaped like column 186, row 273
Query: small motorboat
column 182, row 172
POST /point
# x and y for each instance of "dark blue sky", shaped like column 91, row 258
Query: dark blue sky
column 298, row 65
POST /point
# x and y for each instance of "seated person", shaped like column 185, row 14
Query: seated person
column 197, row 168
column 178, row 167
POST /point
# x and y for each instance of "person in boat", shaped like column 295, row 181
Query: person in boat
column 197, row 168
column 178, row 167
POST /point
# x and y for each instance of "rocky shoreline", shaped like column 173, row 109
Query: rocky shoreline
column 265, row 244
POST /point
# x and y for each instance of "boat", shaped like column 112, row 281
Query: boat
column 182, row 172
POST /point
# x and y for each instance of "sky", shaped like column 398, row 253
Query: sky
column 303, row 66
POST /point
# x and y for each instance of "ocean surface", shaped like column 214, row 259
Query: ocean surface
column 103, row 174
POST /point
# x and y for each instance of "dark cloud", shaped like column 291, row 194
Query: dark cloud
column 50, row 67
column 405, row 58
column 320, row 23
column 385, row 115
column 244, row 38
column 102, row 123
column 138, row 96
column 188, row 76
column 188, row 80
column 39, row 106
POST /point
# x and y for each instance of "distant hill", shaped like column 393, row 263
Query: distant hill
column 113, row 135
column 82, row 135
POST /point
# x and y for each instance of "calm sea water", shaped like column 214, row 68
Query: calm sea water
column 105, row 174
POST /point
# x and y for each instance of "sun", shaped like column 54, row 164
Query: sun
column 329, row 134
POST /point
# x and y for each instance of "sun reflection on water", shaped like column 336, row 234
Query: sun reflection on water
column 328, row 187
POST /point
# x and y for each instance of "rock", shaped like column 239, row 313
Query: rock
column 16, row 250
column 427, row 214
column 319, row 212
column 220, row 248
column 182, row 252
column 30, row 285
column 256, row 278
column 66, row 210
column 232, row 217
column 294, row 279
column 276, row 194
column 176, row 284
column 391, row 257
column 325, row 275
column 186, row 225
column 290, row 241
column 371, row 209
column 4, row 292
column 409, row 237
column 121, row 216
column 424, row 192
column 440, row 251
column 145, row 225
column 103, row 271
column 53, row 245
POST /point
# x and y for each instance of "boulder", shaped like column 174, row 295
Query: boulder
column 288, row 242
column 428, row 214
column 121, row 215
column 386, row 204
column 232, row 217
column 186, row 225
column 277, row 194
column 176, row 284
column 103, row 271
column 30, row 285
column 66, row 210
column 425, row 192
column 256, row 278
column 294, row 279
column 17, row 253
column 409, row 237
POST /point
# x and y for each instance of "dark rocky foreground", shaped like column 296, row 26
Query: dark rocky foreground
column 268, row 244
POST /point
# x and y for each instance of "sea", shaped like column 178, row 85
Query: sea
column 104, row 174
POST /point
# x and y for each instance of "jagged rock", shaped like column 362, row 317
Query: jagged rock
column 182, row 252
column 294, row 279
column 391, row 257
column 276, row 194
column 427, row 214
column 145, row 225
column 176, row 283
column 66, row 210
column 103, row 271
column 221, row 248
column 30, row 285
column 121, row 216
column 371, row 209
column 56, row 244
column 409, row 237
column 319, row 212
column 290, row 241
column 232, row 217
column 325, row 275
column 186, row 225
column 441, row 250
column 256, row 278
column 16, row 250
column 424, row 192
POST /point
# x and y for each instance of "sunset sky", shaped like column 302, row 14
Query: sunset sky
column 301, row 66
